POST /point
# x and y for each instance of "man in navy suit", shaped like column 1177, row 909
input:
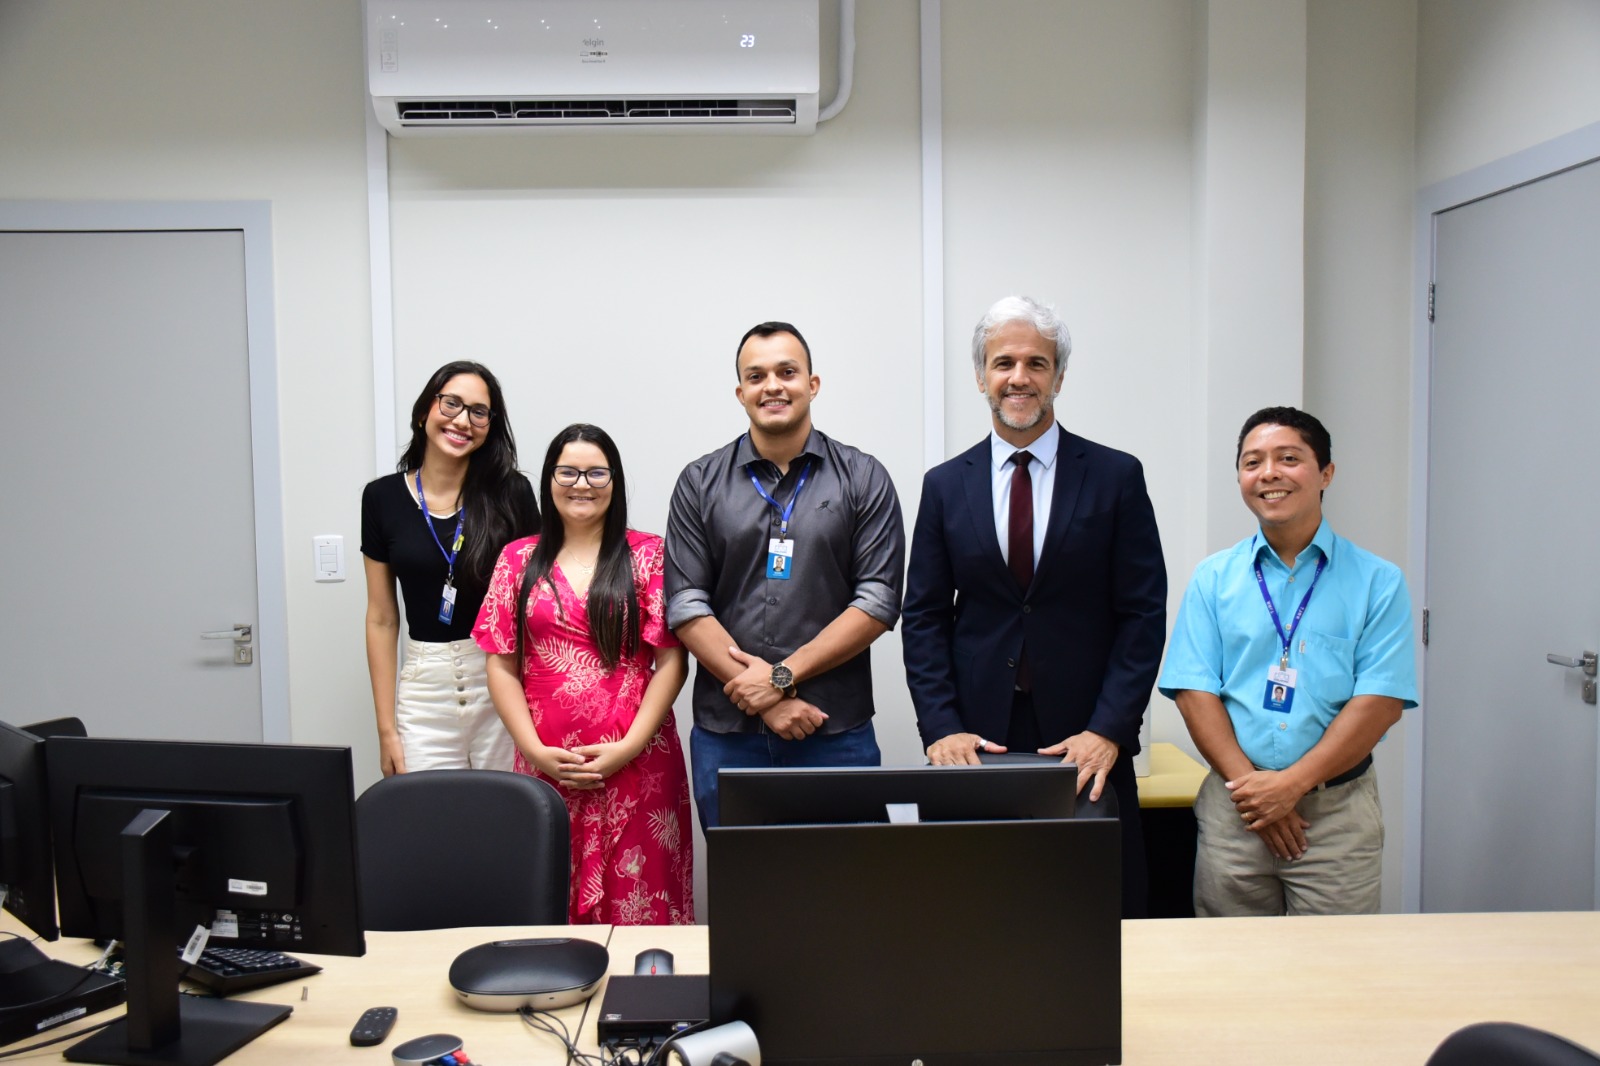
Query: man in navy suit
column 1036, row 598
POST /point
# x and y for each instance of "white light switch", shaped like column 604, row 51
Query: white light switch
column 327, row 551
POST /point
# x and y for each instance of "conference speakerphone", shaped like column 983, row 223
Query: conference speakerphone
column 640, row 1009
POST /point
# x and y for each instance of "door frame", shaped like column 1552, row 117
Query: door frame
column 1562, row 153
column 252, row 219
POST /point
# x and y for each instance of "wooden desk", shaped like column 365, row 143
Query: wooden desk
column 404, row 970
column 1380, row 989
column 1174, row 778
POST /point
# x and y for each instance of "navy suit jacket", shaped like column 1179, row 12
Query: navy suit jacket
column 1094, row 619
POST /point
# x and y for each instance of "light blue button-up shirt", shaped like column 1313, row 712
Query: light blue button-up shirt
column 1355, row 639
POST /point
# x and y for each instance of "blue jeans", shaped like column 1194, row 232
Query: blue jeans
column 710, row 752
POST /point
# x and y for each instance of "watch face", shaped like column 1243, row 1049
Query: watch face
column 782, row 676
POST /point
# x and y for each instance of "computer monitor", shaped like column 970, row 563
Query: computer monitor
column 25, row 868
column 837, row 795
column 255, row 842
column 991, row 941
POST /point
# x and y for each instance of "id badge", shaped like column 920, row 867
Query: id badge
column 1279, row 695
column 780, row 559
column 447, row 603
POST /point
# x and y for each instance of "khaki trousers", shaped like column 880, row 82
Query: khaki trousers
column 1341, row 872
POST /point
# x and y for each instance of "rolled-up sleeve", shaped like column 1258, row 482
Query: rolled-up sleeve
column 689, row 567
column 878, row 562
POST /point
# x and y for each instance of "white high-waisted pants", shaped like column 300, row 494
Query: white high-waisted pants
column 443, row 711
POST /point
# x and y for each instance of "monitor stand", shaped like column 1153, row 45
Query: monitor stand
column 163, row 1026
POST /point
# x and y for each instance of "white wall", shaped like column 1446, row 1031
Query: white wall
column 1497, row 76
column 1361, row 75
column 1096, row 155
column 191, row 100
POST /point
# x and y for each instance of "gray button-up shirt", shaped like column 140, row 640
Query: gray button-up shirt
column 849, row 551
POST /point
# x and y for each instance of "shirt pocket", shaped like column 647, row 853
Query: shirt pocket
column 1328, row 667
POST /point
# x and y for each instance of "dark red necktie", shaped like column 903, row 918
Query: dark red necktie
column 1019, row 544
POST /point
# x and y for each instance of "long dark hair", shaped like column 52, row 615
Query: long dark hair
column 497, row 513
column 613, row 602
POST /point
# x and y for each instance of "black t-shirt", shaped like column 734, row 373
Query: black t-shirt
column 392, row 532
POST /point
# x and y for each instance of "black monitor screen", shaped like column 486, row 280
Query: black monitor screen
column 846, row 794
column 952, row 943
column 25, row 870
column 263, row 837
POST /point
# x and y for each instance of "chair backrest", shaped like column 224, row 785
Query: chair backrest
column 1508, row 1044
column 58, row 727
column 447, row 848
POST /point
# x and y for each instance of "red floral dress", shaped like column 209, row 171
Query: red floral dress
column 632, row 844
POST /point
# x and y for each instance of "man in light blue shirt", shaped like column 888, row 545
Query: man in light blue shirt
column 1291, row 657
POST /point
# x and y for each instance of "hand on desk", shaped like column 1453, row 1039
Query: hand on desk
column 961, row 749
column 1094, row 754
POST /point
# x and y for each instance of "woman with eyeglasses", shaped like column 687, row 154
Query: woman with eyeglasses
column 436, row 526
column 585, row 685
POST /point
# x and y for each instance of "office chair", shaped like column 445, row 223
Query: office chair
column 1508, row 1044
column 57, row 727
column 445, row 848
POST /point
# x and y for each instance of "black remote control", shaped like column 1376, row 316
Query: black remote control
column 372, row 1028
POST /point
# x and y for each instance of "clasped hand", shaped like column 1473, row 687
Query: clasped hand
column 751, row 691
column 583, row 767
column 1265, row 800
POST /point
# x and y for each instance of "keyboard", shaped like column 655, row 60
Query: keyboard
column 225, row 971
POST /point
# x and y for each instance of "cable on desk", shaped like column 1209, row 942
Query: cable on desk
column 545, row 1022
column 74, row 1035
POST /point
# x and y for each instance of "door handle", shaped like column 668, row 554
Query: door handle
column 240, row 634
column 1588, row 662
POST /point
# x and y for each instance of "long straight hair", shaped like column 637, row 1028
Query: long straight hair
column 496, row 512
column 613, row 602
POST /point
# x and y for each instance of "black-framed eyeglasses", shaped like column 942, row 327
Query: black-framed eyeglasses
column 451, row 405
column 598, row 477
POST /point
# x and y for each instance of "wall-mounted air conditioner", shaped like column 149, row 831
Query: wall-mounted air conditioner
column 581, row 65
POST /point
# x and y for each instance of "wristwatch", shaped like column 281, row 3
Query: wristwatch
column 783, row 680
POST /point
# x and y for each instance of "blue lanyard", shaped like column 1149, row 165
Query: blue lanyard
column 455, row 540
column 784, row 512
column 1288, row 638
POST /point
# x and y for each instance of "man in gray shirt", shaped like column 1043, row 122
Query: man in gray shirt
column 785, row 561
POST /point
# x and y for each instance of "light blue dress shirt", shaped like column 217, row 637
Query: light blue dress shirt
column 1355, row 639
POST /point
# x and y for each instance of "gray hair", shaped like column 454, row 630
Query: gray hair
column 1042, row 317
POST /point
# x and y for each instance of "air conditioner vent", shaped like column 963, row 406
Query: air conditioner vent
column 440, row 113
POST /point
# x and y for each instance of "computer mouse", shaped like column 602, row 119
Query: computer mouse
column 653, row 961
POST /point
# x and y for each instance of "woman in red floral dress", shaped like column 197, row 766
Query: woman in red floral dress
column 586, row 686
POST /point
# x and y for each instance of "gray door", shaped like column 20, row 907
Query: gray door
column 127, row 481
column 1509, row 748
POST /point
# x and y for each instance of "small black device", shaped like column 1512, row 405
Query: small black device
column 545, row 973
column 372, row 1028
column 224, row 971
column 40, row 993
column 639, row 1009
column 425, row 1049
column 653, row 962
